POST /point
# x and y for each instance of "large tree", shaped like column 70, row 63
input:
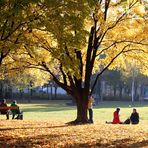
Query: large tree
column 60, row 43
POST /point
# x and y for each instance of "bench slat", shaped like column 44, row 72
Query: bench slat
column 8, row 107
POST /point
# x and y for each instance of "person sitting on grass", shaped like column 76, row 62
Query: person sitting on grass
column 116, row 119
column 15, row 110
column 4, row 110
column 134, row 118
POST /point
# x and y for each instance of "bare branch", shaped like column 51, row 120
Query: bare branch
column 114, row 25
column 107, row 66
column 122, row 41
column 67, row 88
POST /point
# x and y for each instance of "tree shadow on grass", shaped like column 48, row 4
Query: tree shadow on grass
column 59, row 107
column 47, row 109
column 39, row 127
column 52, row 140
column 28, row 142
column 123, row 143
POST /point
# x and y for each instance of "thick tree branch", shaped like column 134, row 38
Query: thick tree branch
column 107, row 2
column 63, row 74
column 67, row 88
column 88, row 59
column 118, row 42
column 101, row 37
column 78, row 82
column 3, row 30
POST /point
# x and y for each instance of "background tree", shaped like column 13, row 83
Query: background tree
column 16, row 17
column 24, row 79
column 114, row 78
column 133, row 79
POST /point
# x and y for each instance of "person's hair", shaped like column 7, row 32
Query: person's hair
column 14, row 101
column 4, row 101
column 117, row 109
column 134, row 109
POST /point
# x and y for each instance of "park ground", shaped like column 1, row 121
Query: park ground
column 44, row 126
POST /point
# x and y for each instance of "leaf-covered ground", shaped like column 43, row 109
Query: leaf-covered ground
column 38, row 134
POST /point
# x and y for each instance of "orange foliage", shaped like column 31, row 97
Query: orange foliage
column 57, row 135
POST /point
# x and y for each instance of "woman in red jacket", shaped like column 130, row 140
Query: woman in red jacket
column 116, row 119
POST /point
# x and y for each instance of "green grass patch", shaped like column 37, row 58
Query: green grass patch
column 59, row 111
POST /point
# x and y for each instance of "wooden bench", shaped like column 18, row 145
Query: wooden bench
column 8, row 109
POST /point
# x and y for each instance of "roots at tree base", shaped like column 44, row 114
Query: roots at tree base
column 78, row 122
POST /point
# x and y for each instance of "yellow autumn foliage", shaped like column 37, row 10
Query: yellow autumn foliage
column 123, row 31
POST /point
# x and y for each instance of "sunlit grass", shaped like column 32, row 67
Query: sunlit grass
column 59, row 111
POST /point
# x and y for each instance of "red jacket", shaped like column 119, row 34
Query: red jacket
column 116, row 119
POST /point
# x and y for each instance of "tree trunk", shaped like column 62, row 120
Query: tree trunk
column 98, row 92
column 55, row 92
column 115, row 90
column 82, row 107
column 51, row 92
column 136, row 92
column 120, row 90
column 1, row 90
column 21, row 94
column 30, row 97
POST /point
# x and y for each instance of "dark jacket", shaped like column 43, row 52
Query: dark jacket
column 134, row 118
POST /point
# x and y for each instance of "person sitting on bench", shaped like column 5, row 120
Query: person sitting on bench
column 4, row 110
column 15, row 110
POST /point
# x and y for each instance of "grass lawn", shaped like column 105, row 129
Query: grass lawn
column 59, row 111
column 44, row 127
